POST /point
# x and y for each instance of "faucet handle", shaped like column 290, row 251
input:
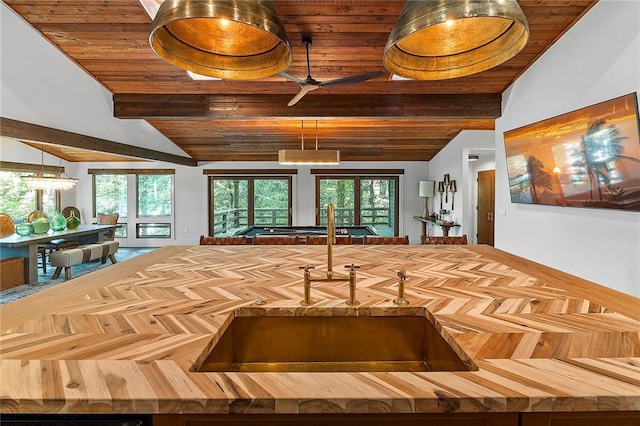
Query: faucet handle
column 402, row 274
column 352, row 266
column 307, row 268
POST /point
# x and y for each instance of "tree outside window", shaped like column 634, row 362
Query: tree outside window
column 18, row 200
column 360, row 201
column 154, row 195
column 110, row 195
column 240, row 202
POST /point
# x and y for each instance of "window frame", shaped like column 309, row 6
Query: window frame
column 135, row 220
column 357, row 204
column 251, row 178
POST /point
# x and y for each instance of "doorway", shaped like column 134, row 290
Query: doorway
column 486, row 206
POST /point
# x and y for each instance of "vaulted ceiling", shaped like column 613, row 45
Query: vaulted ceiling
column 377, row 120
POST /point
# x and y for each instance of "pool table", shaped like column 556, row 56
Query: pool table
column 356, row 232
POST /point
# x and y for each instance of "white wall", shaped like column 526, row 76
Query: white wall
column 40, row 85
column 453, row 159
column 597, row 60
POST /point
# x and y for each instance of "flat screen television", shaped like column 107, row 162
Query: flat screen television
column 585, row 158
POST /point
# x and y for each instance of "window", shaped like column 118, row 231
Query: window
column 153, row 204
column 359, row 201
column 18, row 200
column 110, row 196
column 154, row 195
column 153, row 230
column 237, row 202
column 340, row 192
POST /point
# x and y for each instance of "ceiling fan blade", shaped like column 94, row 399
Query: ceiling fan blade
column 303, row 91
column 350, row 80
column 292, row 78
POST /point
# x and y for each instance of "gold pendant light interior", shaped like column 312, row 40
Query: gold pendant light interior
column 235, row 40
column 442, row 39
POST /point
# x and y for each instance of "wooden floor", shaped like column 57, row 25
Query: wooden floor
column 125, row 338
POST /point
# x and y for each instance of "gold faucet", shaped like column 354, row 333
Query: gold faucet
column 331, row 236
column 400, row 300
column 307, row 285
column 352, row 285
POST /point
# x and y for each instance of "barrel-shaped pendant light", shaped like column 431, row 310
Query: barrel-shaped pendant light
column 442, row 39
column 227, row 39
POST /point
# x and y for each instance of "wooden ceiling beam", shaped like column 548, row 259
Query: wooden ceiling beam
column 35, row 133
column 208, row 106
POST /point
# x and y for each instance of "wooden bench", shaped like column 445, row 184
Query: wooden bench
column 81, row 254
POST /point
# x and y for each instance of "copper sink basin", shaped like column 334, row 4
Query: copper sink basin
column 332, row 344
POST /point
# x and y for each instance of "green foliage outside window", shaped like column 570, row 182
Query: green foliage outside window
column 111, row 194
column 341, row 193
column 154, row 195
column 16, row 199
column 375, row 199
column 232, row 209
column 271, row 202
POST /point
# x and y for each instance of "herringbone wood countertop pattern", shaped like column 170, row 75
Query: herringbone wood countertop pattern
column 123, row 339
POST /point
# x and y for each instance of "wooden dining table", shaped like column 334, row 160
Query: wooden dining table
column 17, row 246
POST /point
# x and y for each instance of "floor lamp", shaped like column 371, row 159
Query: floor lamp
column 426, row 190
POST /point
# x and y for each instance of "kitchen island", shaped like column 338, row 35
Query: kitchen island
column 126, row 339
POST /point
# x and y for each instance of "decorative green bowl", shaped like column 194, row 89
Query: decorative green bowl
column 58, row 222
column 24, row 229
column 73, row 221
column 41, row 225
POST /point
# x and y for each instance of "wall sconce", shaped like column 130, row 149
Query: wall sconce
column 447, row 182
column 441, row 191
column 444, row 187
column 426, row 190
column 453, row 189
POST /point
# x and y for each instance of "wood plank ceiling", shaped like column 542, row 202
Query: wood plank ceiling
column 379, row 120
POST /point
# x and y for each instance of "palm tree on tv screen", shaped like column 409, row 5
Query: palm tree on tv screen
column 538, row 177
column 600, row 151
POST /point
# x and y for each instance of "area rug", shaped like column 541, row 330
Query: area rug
column 45, row 281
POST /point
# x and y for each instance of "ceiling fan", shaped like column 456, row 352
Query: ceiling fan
column 310, row 84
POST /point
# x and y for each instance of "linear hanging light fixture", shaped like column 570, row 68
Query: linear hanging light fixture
column 326, row 157
column 39, row 181
column 442, row 39
column 228, row 39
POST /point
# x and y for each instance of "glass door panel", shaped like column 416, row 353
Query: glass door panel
column 230, row 205
column 271, row 202
column 377, row 204
column 341, row 193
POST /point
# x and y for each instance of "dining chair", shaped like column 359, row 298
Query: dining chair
column 386, row 241
column 280, row 240
column 108, row 219
column 452, row 240
column 315, row 240
column 43, row 249
column 235, row 240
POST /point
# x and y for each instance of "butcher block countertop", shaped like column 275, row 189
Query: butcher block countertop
column 125, row 338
